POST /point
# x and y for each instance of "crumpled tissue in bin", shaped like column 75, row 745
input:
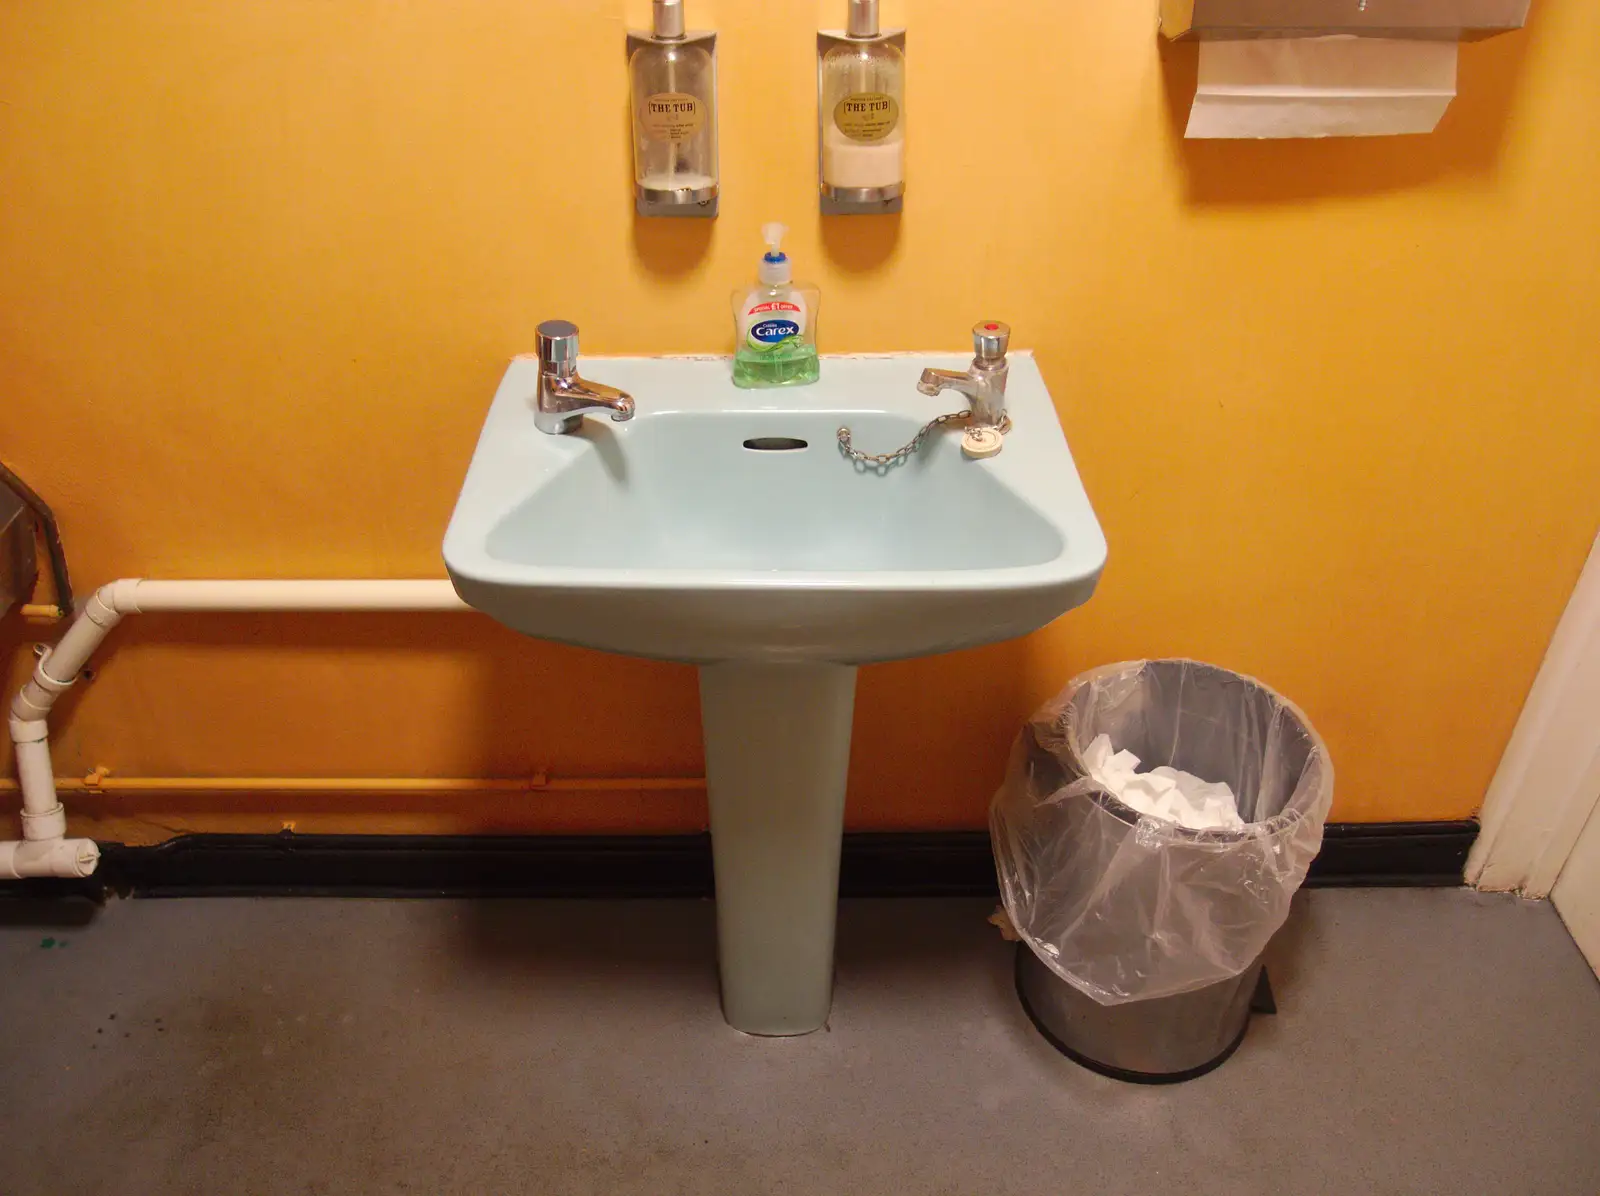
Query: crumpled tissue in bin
column 1167, row 793
column 1127, row 907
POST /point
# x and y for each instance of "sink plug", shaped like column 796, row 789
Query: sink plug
column 982, row 442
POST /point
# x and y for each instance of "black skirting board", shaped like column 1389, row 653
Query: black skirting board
column 874, row 864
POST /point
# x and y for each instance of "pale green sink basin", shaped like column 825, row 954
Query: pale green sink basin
column 667, row 536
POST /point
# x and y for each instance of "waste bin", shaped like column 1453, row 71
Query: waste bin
column 1142, row 939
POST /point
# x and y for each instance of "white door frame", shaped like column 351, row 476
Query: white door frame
column 1548, row 783
column 1577, row 894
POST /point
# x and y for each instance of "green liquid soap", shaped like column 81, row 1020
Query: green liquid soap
column 791, row 362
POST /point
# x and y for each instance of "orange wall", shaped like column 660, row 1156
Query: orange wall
column 261, row 266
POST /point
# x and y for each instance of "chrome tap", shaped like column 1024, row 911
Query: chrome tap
column 563, row 396
column 984, row 383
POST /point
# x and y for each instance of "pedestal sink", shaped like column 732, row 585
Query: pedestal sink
column 724, row 528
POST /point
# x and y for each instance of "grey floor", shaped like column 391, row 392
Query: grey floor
column 1427, row 1041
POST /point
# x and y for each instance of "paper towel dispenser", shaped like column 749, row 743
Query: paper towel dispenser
column 1438, row 20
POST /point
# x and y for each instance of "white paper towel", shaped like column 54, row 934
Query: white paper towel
column 1322, row 87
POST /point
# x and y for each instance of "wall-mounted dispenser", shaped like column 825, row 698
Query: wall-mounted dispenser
column 861, row 119
column 672, row 76
column 1328, row 68
column 1443, row 20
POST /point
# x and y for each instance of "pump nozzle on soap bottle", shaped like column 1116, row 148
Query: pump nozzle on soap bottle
column 774, row 265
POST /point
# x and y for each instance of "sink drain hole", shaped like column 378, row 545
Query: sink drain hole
column 775, row 444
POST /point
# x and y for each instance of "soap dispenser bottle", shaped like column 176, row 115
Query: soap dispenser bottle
column 673, row 82
column 775, row 322
column 861, row 142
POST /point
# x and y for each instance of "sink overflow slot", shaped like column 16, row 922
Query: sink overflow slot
column 775, row 444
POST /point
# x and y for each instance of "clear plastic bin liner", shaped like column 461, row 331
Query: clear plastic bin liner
column 1128, row 908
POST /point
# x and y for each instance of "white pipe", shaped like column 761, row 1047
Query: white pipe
column 287, row 595
column 99, row 615
column 44, row 850
column 50, row 857
column 42, row 815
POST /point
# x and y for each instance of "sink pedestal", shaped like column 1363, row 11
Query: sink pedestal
column 777, row 739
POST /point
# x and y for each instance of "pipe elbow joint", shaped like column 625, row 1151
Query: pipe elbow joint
column 113, row 600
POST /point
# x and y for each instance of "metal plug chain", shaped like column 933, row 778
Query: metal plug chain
column 884, row 460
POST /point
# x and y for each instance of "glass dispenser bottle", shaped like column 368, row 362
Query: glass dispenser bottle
column 861, row 114
column 673, row 83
